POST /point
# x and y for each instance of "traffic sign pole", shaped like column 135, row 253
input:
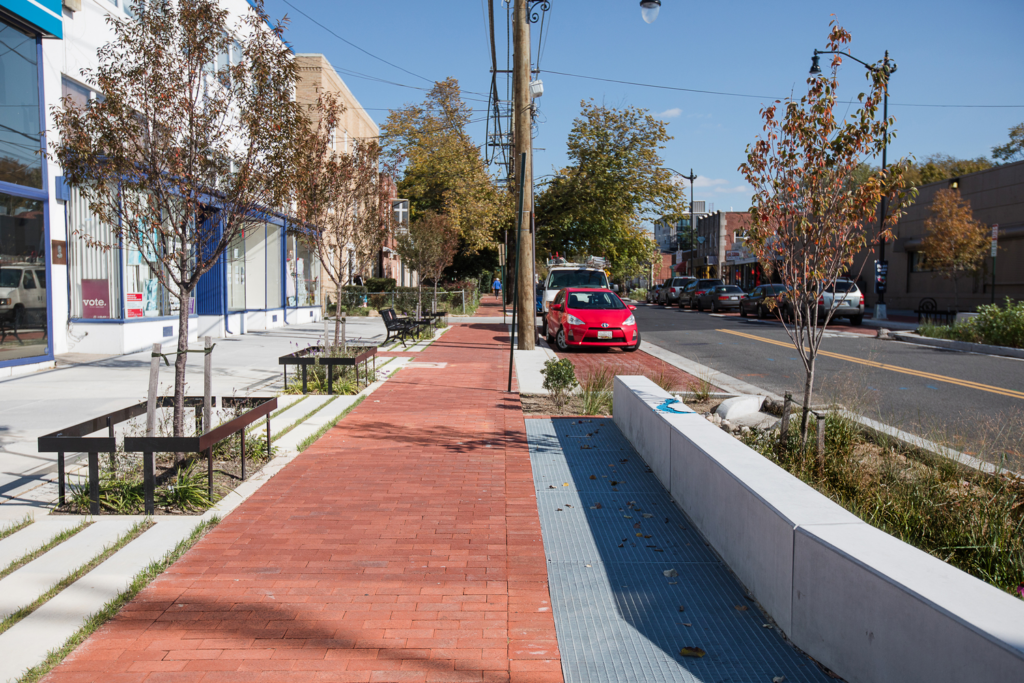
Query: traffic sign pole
column 995, row 247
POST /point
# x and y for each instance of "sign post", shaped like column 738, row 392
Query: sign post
column 995, row 248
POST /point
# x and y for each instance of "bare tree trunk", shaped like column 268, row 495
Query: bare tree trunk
column 808, row 388
column 179, row 365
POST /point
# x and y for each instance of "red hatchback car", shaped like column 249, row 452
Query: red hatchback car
column 591, row 317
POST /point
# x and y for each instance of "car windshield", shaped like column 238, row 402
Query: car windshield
column 577, row 278
column 9, row 277
column 594, row 301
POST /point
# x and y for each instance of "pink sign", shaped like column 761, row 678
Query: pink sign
column 95, row 299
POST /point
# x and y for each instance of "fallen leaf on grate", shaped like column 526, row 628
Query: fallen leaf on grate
column 778, row 679
column 565, row 484
column 686, row 623
column 551, row 487
column 598, row 506
column 692, row 652
column 568, row 506
column 671, row 573
column 558, row 510
column 681, row 608
column 742, row 608
column 648, row 515
column 636, row 526
column 640, row 535
column 593, row 476
column 766, row 625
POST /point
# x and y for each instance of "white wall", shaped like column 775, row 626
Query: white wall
column 861, row 602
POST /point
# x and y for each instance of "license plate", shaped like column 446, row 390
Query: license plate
column 604, row 335
column 733, row 298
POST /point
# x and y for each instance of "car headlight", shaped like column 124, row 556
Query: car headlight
column 5, row 302
column 631, row 320
column 573, row 320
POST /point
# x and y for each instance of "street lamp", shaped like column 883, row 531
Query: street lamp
column 691, row 178
column 887, row 70
column 649, row 10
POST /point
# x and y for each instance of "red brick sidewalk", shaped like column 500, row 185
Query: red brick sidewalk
column 403, row 546
column 619, row 362
column 490, row 305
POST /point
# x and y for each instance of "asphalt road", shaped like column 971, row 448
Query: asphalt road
column 921, row 389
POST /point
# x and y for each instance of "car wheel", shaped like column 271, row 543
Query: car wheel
column 857, row 320
column 19, row 317
column 743, row 311
column 714, row 307
column 634, row 347
column 560, row 340
column 700, row 305
column 760, row 312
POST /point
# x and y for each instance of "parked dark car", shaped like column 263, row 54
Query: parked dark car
column 694, row 289
column 758, row 302
column 722, row 297
column 670, row 292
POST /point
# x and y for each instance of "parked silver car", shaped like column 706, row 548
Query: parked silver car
column 844, row 299
column 669, row 294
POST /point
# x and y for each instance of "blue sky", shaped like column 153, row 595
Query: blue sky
column 947, row 53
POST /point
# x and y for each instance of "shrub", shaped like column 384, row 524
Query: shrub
column 381, row 284
column 597, row 392
column 560, row 380
column 999, row 326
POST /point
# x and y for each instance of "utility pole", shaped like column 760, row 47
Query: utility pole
column 523, row 127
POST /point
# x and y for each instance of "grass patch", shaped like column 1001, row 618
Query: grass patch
column 15, row 527
column 971, row 520
column 263, row 420
column 46, row 547
column 140, row 581
column 312, row 438
column 137, row 529
column 303, row 419
column 596, row 392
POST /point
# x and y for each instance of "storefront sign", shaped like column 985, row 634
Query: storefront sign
column 58, row 252
column 732, row 255
column 95, row 299
column 134, row 309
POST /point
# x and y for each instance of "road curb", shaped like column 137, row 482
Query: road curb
column 966, row 347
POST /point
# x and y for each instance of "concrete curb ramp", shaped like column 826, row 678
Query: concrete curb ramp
column 863, row 603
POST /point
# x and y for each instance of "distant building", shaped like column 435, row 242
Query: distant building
column 672, row 234
column 718, row 251
column 997, row 197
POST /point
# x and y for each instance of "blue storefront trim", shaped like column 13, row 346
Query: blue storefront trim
column 45, row 15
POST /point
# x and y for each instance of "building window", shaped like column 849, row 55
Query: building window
column 21, row 161
column 93, row 265
column 23, row 302
column 236, row 274
column 302, row 274
column 917, row 262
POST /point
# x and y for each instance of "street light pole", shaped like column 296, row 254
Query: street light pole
column 691, row 178
column 880, row 312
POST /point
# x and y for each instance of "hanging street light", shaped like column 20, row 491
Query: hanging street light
column 649, row 10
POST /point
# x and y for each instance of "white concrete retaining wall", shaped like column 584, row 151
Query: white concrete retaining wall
column 861, row 602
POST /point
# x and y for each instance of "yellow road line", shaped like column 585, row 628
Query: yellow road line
column 892, row 368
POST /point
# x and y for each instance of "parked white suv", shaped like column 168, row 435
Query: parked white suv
column 844, row 299
column 23, row 294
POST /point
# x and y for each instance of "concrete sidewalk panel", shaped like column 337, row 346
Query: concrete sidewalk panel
column 33, row 536
column 26, row 584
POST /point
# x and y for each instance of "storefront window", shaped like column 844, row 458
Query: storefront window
column 20, row 159
column 274, row 236
column 236, row 274
column 256, row 265
column 144, row 295
column 93, row 264
column 23, row 301
column 302, row 270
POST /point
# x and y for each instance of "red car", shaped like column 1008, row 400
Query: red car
column 591, row 317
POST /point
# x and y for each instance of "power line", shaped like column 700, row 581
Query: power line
column 770, row 97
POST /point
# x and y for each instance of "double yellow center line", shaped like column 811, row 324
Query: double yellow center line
column 892, row 368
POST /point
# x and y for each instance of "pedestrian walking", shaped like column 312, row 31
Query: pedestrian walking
column 496, row 286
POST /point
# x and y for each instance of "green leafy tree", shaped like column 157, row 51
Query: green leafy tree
column 955, row 243
column 428, row 246
column 943, row 167
column 1013, row 150
column 179, row 155
column 809, row 220
column 343, row 199
column 615, row 181
column 443, row 169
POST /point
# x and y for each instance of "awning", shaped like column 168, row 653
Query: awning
column 45, row 15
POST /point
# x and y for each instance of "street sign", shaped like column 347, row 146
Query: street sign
column 881, row 273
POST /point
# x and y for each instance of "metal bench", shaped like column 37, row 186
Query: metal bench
column 398, row 328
